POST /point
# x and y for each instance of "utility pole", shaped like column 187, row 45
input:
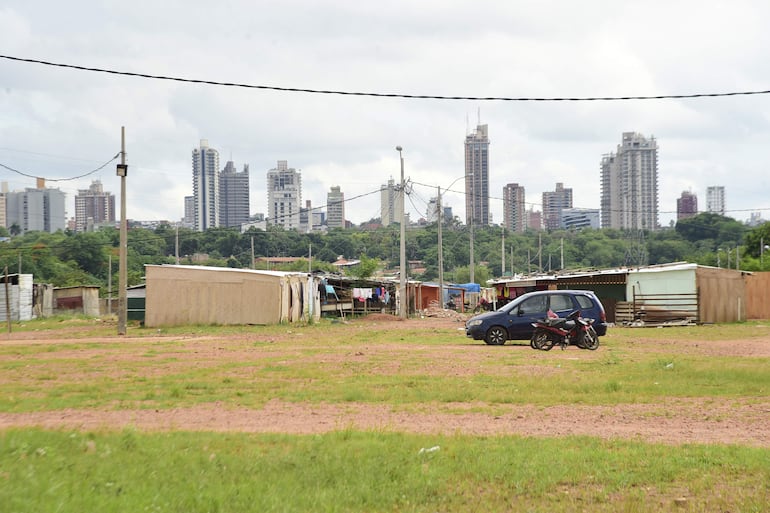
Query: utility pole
column 177, row 245
column 402, row 268
column 472, row 265
column 440, row 253
column 123, row 262
column 252, row 253
column 502, row 255
column 109, row 286
column 540, row 252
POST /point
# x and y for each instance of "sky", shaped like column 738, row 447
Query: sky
column 60, row 123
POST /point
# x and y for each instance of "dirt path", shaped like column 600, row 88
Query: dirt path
column 672, row 423
column 676, row 421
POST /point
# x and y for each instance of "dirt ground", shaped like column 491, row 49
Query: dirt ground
column 675, row 421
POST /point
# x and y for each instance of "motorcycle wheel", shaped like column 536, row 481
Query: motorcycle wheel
column 591, row 339
column 549, row 342
column 539, row 338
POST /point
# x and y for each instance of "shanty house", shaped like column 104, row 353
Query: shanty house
column 182, row 294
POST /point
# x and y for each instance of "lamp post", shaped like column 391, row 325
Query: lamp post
column 441, row 243
column 402, row 269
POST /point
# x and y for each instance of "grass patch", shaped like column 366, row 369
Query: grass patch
column 362, row 471
column 338, row 363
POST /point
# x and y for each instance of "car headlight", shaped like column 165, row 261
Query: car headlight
column 474, row 322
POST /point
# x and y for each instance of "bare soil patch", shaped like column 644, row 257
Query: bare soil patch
column 675, row 421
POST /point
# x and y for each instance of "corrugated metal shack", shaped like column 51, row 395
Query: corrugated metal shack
column 180, row 294
column 657, row 294
column 18, row 289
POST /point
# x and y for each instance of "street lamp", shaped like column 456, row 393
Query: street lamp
column 402, row 272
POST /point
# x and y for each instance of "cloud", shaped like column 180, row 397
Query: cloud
column 518, row 49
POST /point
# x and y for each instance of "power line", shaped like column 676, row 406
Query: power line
column 61, row 179
column 387, row 95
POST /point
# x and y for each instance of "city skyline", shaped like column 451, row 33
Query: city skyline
column 60, row 123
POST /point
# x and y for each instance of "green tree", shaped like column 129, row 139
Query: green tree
column 365, row 268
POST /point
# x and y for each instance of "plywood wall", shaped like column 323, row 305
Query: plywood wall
column 721, row 295
column 757, row 295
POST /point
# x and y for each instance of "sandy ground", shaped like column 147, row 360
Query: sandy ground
column 676, row 421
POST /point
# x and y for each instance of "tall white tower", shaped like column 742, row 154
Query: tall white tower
column 284, row 196
column 205, row 164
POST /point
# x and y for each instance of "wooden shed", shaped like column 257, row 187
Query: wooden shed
column 83, row 299
column 181, row 294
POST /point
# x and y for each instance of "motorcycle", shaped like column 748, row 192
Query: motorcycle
column 572, row 329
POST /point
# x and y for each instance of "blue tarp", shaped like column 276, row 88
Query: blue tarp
column 469, row 287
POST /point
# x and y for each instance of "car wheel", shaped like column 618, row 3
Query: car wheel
column 496, row 336
column 591, row 339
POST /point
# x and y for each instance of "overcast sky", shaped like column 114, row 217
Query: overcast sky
column 60, row 123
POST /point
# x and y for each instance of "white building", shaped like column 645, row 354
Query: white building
column 391, row 203
column 335, row 208
column 38, row 209
column 284, row 196
column 205, row 167
column 629, row 184
column 715, row 199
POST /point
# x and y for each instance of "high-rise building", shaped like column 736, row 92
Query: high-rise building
column 284, row 196
column 553, row 203
column 477, row 176
column 577, row 218
column 94, row 207
column 306, row 224
column 715, row 199
column 514, row 208
column 431, row 213
column 233, row 195
column 38, row 209
column 205, row 166
column 686, row 205
column 188, row 220
column 629, row 184
column 3, row 196
column 534, row 219
column 335, row 208
column 391, row 204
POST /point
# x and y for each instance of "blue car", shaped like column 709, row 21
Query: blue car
column 514, row 320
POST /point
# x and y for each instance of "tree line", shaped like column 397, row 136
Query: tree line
column 66, row 258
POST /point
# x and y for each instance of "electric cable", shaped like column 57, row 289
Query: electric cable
column 61, row 179
column 387, row 95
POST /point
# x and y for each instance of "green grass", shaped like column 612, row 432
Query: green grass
column 346, row 470
column 337, row 363
column 369, row 471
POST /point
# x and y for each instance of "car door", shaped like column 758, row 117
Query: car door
column 524, row 314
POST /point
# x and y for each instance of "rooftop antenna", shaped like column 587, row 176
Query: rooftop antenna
column 467, row 124
column 479, row 115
